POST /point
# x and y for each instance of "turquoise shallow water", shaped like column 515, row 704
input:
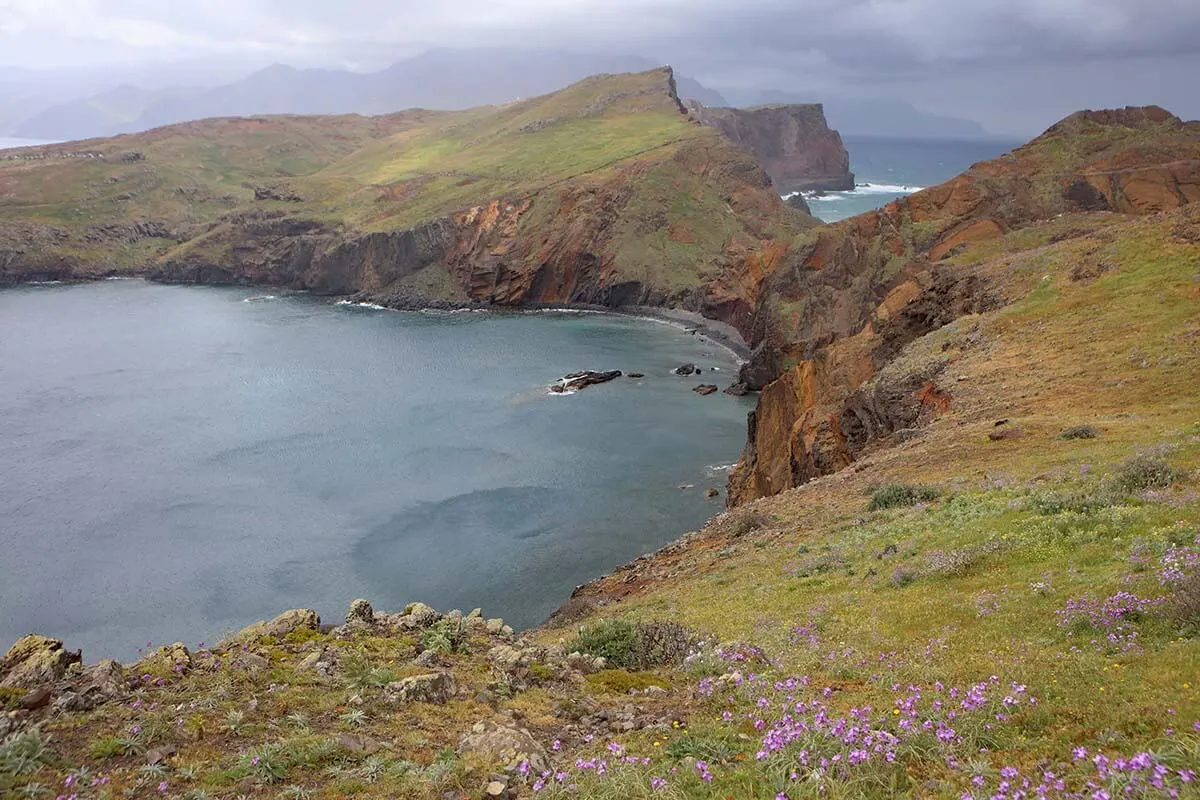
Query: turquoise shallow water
column 176, row 462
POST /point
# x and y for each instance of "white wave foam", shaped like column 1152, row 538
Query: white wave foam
column 567, row 393
column 561, row 311
column 371, row 306
column 858, row 191
column 720, row 468
column 258, row 298
column 885, row 188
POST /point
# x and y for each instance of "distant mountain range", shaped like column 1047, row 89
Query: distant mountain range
column 445, row 79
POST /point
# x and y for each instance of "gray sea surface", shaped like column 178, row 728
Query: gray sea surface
column 177, row 462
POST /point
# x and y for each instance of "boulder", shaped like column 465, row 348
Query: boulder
column 35, row 699
column 419, row 615
column 99, row 684
column 35, row 661
column 637, row 374
column 360, row 611
column 433, row 687
column 705, row 389
column 685, row 369
column 495, row 626
column 296, row 619
column 581, row 380
column 712, row 493
column 507, row 746
column 1006, row 433
column 738, row 390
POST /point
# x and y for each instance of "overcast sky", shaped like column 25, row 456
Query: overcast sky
column 1013, row 65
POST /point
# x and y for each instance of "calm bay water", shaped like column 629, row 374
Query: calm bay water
column 885, row 169
column 177, row 462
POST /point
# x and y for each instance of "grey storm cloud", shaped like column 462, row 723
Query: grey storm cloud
column 1014, row 65
column 855, row 35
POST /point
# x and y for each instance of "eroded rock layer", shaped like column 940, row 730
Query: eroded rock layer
column 834, row 316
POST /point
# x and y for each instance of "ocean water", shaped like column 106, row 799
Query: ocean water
column 885, row 169
column 178, row 462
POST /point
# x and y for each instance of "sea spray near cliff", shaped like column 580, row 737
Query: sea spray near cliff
column 887, row 169
column 179, row 462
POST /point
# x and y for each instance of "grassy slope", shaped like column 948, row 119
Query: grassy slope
column 898, row 611
column 977, row 577
column 355, row 174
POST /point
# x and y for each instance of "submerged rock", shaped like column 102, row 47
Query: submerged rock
column 685, row 369
column 580, row 380
column 705, row 389
column 738, row 390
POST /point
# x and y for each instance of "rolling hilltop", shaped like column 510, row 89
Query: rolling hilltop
column 963, row 557
column 605, row 192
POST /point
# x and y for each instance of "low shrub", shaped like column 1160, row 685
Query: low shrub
column 1144, row 472
column 361, row 674
column 1183, row 604
column 444, row 636
column 615, row 640
column 902, row 576
column 897, row 495
column 747, row 521
column 635, row 646
column 620, row 681
column 1080, row 432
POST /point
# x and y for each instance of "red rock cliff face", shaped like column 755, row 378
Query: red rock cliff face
column 612, row 239
column 849, row 296
column 794, row 143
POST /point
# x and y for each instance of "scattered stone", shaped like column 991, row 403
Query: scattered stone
column 97, row 685
column 34, row 661
column 581, row 380
column 738, row 390
column 427, row 658
column 505, row 745
column 685, row 370
column 433, row 687
column 419, row 615
column 494, row 626
column 637, row 374
column 1000, row 422
column 358, row 744
column 705, row 389
column 249, row 662
column 281, row 193
column 506, row 631
column 360, row 611
column 322, row 661
column 496, row 788
column 159, row 755
column 35, row 699
column 1006, row 433
column 712, row 493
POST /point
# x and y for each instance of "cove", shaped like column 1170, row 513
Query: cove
column 177, row 462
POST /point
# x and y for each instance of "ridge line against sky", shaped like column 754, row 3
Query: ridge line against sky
column 1012, row 65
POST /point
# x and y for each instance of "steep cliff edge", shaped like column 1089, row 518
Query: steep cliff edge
column 794, row 143
column 833, row 317
column 605, row 192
